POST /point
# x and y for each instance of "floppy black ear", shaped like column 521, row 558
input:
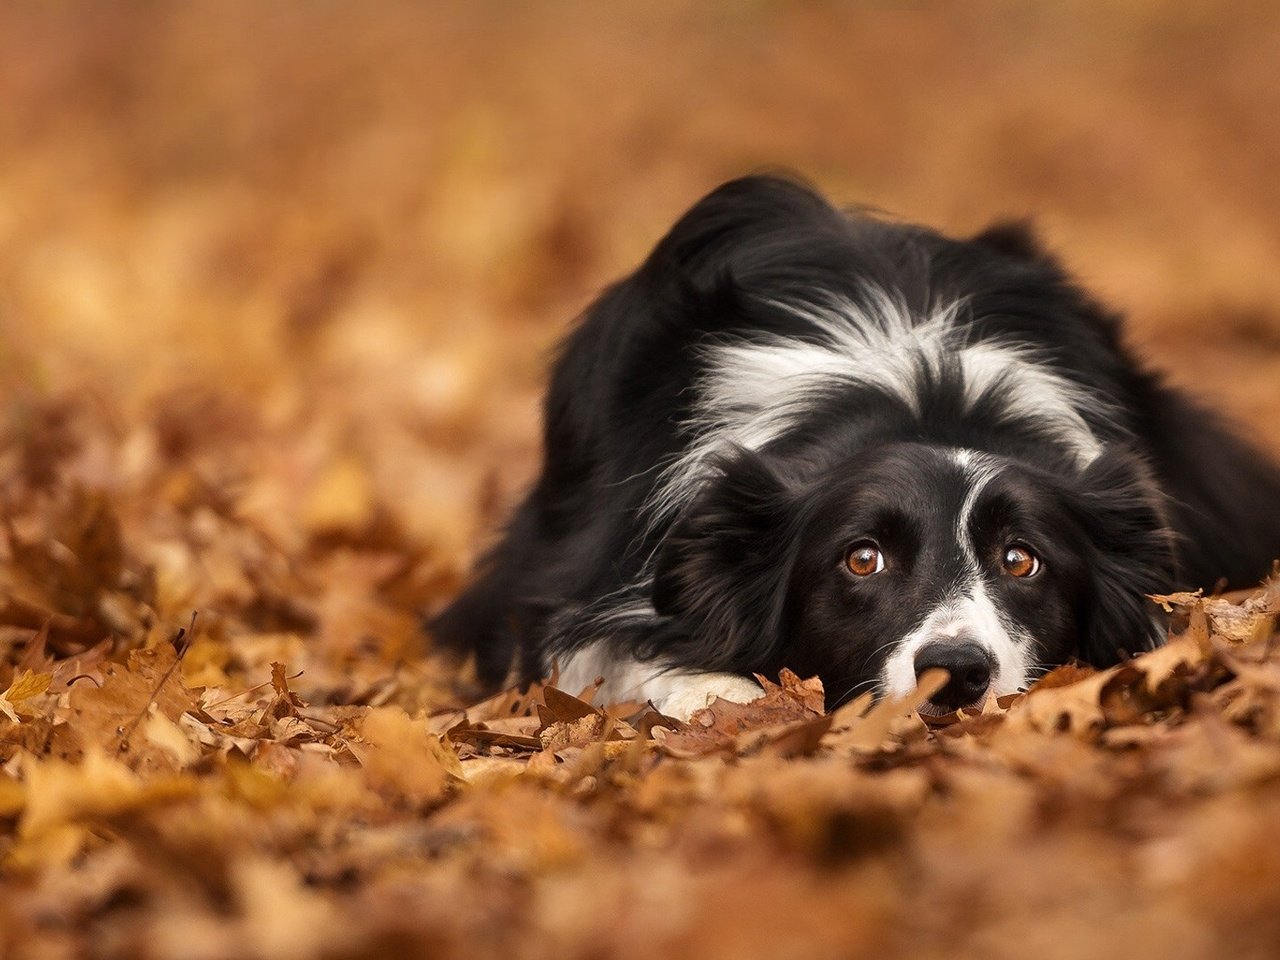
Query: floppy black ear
column 1123, row 513
column 1015, row 238
column 724, row 569
column 728, row 224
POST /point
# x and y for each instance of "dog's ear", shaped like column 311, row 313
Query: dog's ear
column 724, row 234
column 1123, row 514
column 724, row 568
column 1017, row 239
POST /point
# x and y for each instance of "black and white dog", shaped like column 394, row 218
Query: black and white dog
column 802, row 438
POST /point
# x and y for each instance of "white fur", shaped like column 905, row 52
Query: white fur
column 979, row 468
column 969, row 611
column 676, row 693
column 688, row 693
column 973, row 614
column 754, row 390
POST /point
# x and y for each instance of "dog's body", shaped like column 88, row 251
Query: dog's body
column 801, row 438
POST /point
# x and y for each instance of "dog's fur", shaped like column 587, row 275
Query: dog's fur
column 780, row 381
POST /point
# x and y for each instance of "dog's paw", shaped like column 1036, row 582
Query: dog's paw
column 694, row 693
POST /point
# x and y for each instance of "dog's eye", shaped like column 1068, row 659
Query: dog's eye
column 1020, row 561
column 864, row 558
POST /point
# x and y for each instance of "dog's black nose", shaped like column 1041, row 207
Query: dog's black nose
column 969, row 666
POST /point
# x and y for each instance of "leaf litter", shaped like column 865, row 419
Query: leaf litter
column 292, row 772
column 281, row 366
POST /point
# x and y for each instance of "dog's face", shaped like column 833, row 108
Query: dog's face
column 918, row 556
column 926, row 557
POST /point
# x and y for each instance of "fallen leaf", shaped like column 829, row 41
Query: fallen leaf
column 402, row 758
column 23, row 688
column 716, row 728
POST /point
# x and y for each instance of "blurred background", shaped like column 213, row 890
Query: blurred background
column 319, row 254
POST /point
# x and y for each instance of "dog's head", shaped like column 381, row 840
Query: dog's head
column 914, row 556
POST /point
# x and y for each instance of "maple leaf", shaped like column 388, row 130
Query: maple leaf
column 280, row 683
column 106, row 715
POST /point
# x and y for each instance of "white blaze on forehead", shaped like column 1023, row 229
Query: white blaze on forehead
column 970, row 613
column 978, row 469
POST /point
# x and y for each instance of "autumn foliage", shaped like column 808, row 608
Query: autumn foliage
column 277, row 288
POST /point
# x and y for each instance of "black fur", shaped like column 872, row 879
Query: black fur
column 749, row 575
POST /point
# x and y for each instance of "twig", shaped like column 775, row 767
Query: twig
column 249, row 690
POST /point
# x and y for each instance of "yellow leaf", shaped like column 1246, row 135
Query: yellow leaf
column 342, row 498
column 167, row 735
column 27, row 686
column 61, row 798
column 12, row 797
column 23, row 688
column 401, row 756
column 284, row 916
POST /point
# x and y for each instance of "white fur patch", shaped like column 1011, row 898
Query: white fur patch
column 676, row 693
column 973, row 615
column 979, row 468
column 976, row 617
column 754, row 390
column 691, row 692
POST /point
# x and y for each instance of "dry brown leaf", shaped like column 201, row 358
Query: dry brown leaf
column 280, row 684
column 108, row 714
column 862, row 726
column 279, row 358
column 23, row 688
column 717, row 728
column 402, row 758
column 63, row 800
column 560, row 707
column 563, row 734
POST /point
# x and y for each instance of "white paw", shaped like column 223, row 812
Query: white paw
column 692, row 693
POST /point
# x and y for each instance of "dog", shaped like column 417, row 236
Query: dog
column 806, row 438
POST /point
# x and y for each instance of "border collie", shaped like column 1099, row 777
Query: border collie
column 798, row 437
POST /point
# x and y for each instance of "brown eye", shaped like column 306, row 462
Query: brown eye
column 864, row 558
column 1019, row 561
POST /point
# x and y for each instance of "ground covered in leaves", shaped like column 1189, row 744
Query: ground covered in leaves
column 277, row 289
